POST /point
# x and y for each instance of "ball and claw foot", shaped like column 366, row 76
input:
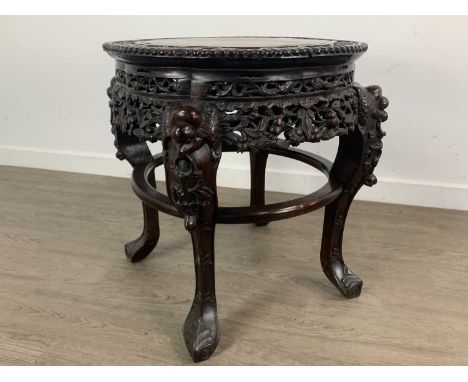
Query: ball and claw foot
column 201, row 332
column 140, row 248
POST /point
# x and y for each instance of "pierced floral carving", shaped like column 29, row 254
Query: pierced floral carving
column 276, row 88
column 149, row 84
column 245, row 125
column 135, row 115
column 259, row 125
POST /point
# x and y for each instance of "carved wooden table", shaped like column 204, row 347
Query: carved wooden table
column 203, row 96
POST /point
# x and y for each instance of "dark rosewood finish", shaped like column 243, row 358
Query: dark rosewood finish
column 258, row 161
column 264, row 95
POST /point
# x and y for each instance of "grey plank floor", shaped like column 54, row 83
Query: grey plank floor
column 69, row 296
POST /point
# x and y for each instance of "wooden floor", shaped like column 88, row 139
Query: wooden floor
column 69, row 296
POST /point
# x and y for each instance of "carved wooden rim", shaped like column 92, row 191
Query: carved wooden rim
column 241, row 215
column 335, row 47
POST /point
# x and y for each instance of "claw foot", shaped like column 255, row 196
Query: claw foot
column 201, row 331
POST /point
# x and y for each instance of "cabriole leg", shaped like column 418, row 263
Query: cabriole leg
column 358, row 154
column 192, row 151
column 138, row 249
column 136, row 152
column 331, row 256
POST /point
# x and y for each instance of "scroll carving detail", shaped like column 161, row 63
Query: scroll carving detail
column 305, row 86
column 148, row 84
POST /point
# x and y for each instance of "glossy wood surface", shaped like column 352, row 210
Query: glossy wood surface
column 279, row 96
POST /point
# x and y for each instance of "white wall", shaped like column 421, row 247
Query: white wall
column 54, row 113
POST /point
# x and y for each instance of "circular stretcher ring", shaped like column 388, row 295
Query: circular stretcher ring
column 253, row 214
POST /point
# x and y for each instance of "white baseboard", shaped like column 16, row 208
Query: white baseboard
column 388, row 190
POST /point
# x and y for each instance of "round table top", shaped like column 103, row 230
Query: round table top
column 234, row 48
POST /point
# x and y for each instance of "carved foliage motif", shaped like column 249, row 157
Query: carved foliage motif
column 259, row 125
column 192, row 157
column 245, row 125
column 135, row 115
column 275, row 88
column 148, row 84
column 152, row 85
column 372, row 113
